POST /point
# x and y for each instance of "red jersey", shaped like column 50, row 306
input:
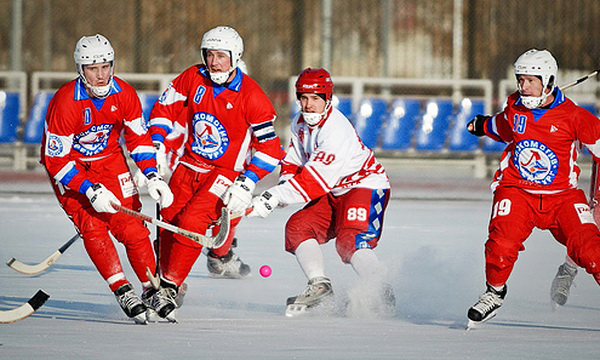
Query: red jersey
column 541, row 156
column 81, row 129
column 223, row 123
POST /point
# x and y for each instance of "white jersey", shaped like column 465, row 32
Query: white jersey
column 328, row 158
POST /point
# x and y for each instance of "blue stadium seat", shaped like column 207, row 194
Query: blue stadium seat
column 433, row 128
column 148, row 100
column 400, row 124
column 344, row 105
column 369, row 119
column 491, row 146
column 460, row 138
column 9, row 116
column 34, row 128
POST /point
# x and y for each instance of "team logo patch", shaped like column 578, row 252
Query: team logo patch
column 210, row 137
column 93, row 140
column 536, row 162
column 55, row 146
column 584, row 213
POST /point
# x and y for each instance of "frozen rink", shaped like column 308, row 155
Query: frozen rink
column 433, row 250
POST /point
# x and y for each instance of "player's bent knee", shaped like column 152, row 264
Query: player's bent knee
column 584, row 249
column 501, row 256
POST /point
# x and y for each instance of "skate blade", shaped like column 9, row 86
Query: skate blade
column 141, row 319
column 152, row 316
column 476, row 324
column 294, row 310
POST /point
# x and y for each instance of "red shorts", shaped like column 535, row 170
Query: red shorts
column 515, row 213
column 355, row 219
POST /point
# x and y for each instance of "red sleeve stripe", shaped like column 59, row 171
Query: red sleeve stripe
column 299, row 189
column 318, row 178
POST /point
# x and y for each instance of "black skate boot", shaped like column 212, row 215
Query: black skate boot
column 486, row 307
column 561, row 285
column 229, row 266
column 131, row 304
column 162, row 301
column 318, row 290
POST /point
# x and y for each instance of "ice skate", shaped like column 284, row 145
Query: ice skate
column 486, row 307
column 229, row 266
column 131, row 304
column 162, row 301
column 561, row 285
column 318, row 291
column 181, row 294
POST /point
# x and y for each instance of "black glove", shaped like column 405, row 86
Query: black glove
column 475, row 126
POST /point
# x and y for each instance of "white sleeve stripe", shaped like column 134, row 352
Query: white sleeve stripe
column 266, row 158
column 594, row 148
column 161, row 121
column 143, row 149
column 136, row 125
column 64, row 171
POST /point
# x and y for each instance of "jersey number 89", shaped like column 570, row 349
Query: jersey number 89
column 356, row 214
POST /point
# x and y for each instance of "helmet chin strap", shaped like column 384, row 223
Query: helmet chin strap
column 313, row 119
column 99, row 92
column 220, row 77
column 534, row 102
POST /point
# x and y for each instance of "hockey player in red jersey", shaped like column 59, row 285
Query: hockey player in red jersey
column 227, row 116
column 346, row 188
column 536, row 184
column 88, row 170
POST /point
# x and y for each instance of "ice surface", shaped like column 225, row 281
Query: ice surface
column 433, row 251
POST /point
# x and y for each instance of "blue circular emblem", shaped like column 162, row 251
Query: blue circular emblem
column 535, row 161
column 93, row 140
column 55, row 146
column 210, row 137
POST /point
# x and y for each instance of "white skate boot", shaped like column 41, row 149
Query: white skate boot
column 162, row 301
column 486, row 307
column 318, row 291
column 131, row 304
column 561, row 285
column 229, row 266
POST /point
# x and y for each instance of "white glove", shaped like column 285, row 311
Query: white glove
column 159, row 190
column 162, row 164
column 238, row 196
column 101, row 198
column 140, row 179
column 264, row 204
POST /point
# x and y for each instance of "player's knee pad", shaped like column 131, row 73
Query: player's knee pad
column 501, row 255
column 129, row 231
column 296, row 231
column 584, row 249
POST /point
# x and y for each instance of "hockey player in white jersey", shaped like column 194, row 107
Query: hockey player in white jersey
column 347, row 191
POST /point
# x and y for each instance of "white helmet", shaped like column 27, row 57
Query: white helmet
column 223, row 38
column 539, row 63
column 94, row 50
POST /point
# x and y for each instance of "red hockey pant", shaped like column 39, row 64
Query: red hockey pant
column 516, row 212
column 196, row 207
column 354, row 219
column 94, row 227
